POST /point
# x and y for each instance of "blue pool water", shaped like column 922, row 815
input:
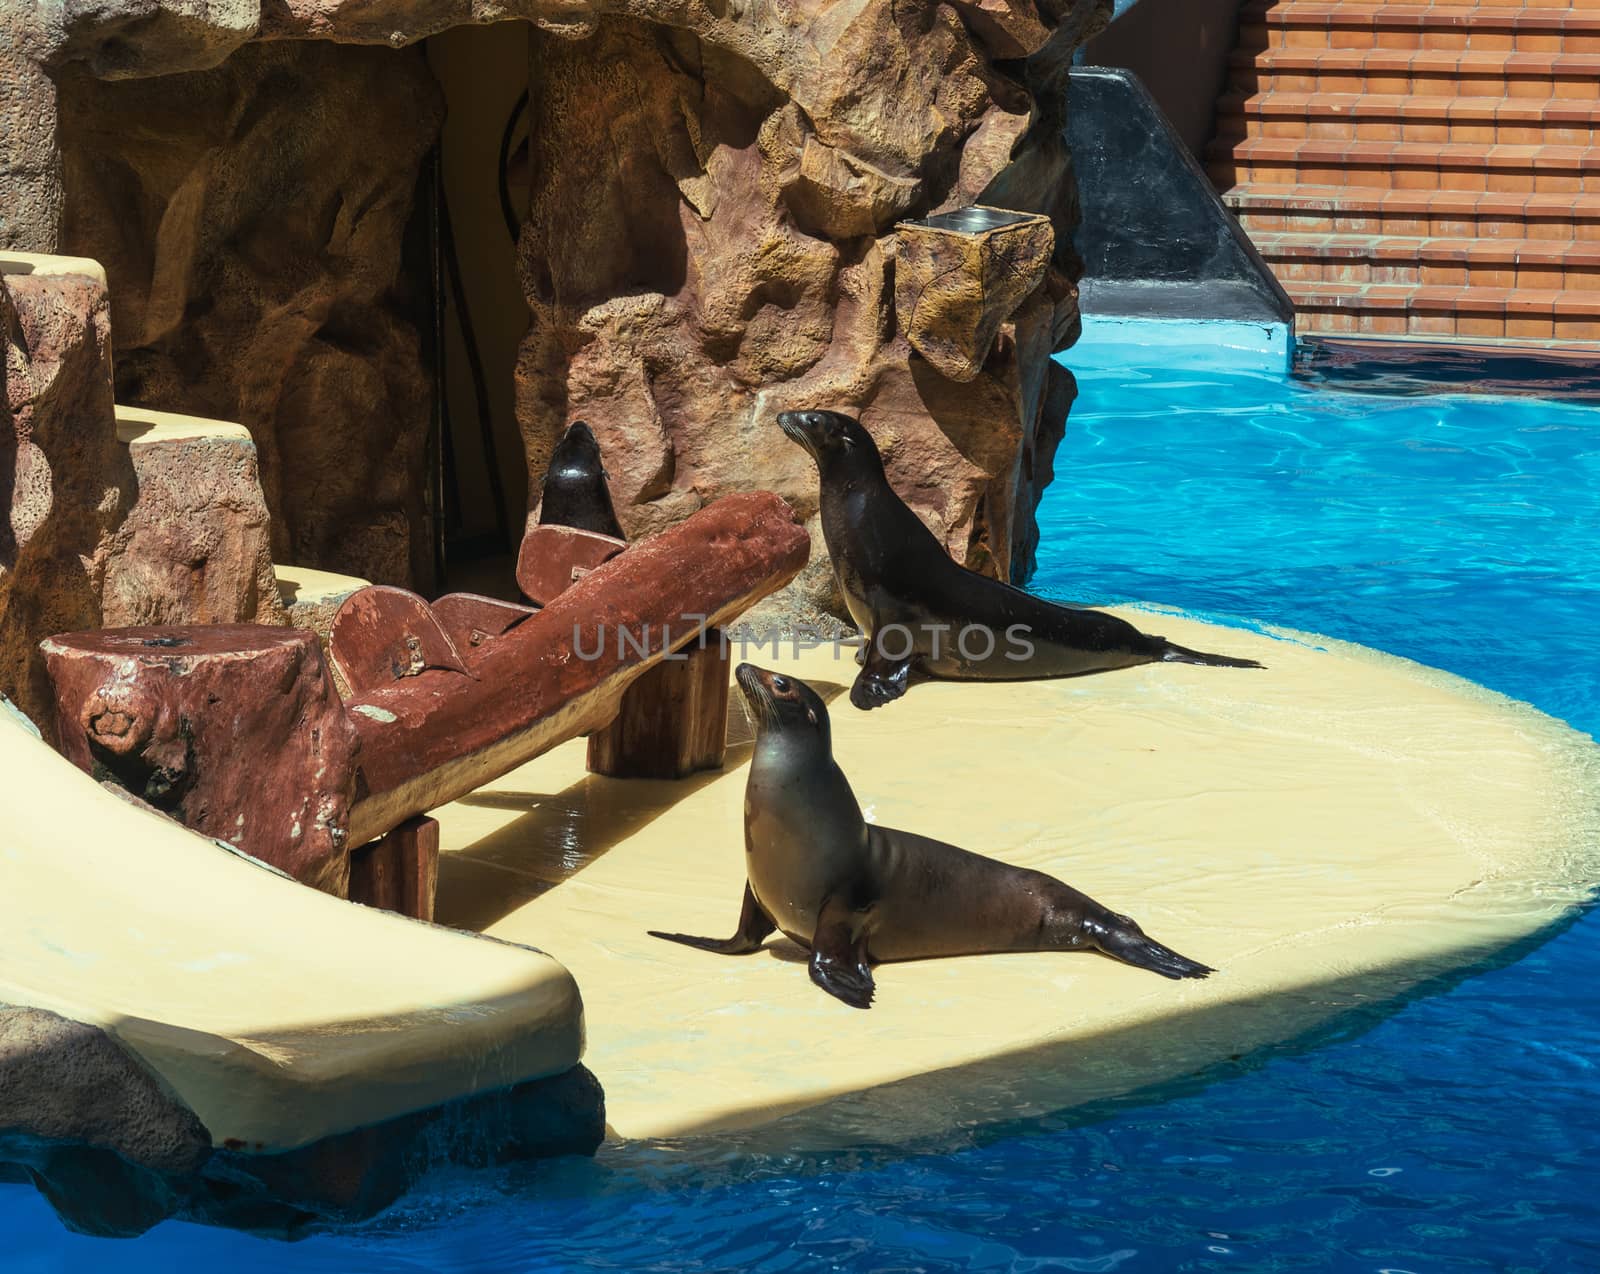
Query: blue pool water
column 1457, row 1133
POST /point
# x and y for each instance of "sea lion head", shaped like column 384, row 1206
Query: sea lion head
column 827, row 434
column 575, row 492
column 783, row 704
column 577, row 452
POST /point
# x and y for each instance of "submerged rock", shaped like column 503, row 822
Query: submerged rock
column 115, row 1153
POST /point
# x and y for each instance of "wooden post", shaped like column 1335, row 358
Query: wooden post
column 400, row 870
column 673, row 720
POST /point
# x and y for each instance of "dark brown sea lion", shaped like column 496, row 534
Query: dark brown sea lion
column 922, row 614
column 575, row 491
column 858, row 894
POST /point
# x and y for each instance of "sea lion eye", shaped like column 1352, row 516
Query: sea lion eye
column 781, row 685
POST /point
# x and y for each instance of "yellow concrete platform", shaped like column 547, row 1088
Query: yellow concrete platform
column 306, row 586
column 1328, row 833
column 140, row 426
column 24, row 263
column 279, row 1014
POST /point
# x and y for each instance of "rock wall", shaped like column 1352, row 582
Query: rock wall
column 252, row 221
column 65, row 483
column 725, row 251
column 709, row 241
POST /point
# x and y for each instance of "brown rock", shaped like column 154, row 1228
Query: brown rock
column 234, row 730
column 64, row 1081
column 195, row 549
column 1004, row 28
column 251, row 219
column 30, row 163
column 717, row 260
column 703, row 236
column 836, row 194
column 960, row 275
column 63, row 476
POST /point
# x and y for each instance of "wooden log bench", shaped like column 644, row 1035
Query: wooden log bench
column 237, row 730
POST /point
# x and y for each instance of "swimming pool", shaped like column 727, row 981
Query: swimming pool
column 1458, row 1132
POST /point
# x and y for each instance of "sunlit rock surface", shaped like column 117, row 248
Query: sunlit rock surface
column 65, row 482
column 252, row 221
column 709, row 240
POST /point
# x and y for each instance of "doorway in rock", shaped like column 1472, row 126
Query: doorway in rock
column 479, row 191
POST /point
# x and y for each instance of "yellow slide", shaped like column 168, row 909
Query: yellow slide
column 278, row 1014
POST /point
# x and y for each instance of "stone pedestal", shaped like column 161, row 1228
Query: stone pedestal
column 960, row 275
column 196, row 546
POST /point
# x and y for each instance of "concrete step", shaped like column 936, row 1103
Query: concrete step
column 1450, row 213
column 1395, row 117
column 1383, row 309
column 1527, row 264
column 1461, row 166
column 1428, row 72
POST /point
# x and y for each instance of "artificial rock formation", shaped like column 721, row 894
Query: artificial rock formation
column 64, row 480
column 110, row 516
column 195, row 548
column 253, row 222
column 65, row 1081
column 728, row 251
column 709, row 240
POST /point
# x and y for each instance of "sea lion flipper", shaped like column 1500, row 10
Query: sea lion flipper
column 755, row 927
column 839, row 955
column 881, row 680
column 1172, row 653
column 1122, row 939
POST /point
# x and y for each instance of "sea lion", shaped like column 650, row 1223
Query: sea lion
column 857, row 894
column 575, row 491
column 921, row 613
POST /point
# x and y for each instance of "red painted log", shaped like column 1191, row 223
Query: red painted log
column 430, row 738
column 471, row 620
column 235, row 730
column 382, row 635
column 554, row 558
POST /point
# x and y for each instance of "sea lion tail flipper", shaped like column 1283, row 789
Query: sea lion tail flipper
column 755, row 926
column 1171, row 653
column 1121, row 939
column 839, row 956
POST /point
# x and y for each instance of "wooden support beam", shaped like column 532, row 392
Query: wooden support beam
column 400, row 870
column 673, row 720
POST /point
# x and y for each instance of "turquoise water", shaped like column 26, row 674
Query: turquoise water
column 1456, row 1133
